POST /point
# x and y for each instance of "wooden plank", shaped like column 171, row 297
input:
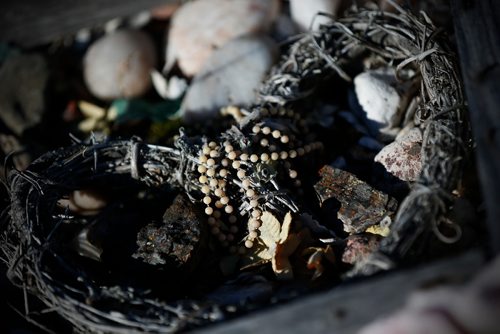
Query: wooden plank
column 32, row 22
column 350, row 306
column 478, row 37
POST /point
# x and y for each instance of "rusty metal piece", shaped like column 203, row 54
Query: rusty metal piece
column 361, row 205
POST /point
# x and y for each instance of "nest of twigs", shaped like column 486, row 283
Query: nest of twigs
column 34, row 242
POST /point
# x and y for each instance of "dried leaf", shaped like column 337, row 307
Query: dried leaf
column 317, row 259
column 280, row 262
column 275, row 244
column 270, row 230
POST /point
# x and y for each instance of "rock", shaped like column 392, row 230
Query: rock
column 118, row 65
column 176, row 241
column 361, row 205
column 402, row 158
column 231, row 76
column 11, row 145
column 202, row 26
column 23, row 78
column 304, row 13
column 85, row 202
column 359, row 247
column 382, row 97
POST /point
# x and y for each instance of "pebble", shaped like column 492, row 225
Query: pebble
column 231, row 76
column 382, row 97
column 200, row 27
column 118, row 65
column 359, row 247
column 23, row 78
column 402, row 158
column 304, row 13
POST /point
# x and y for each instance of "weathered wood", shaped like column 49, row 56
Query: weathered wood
column 33, row 22
column 478, row 38
column 348, row 307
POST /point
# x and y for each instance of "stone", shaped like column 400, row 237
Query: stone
column 118, row 65
column 23, row 78
column 402, row 158
column 359, row 247
column 200, row 27
column 304, row 13
column 231, row 76
column 382, row 97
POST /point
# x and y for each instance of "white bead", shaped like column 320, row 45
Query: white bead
column 244, row 157
column 245, row 183
column 241, row 174
column 205, row 189
column 276, row 134
column 210, row 162
column 266, row 130
column 207, row 200
column 209, row 210
column 224, row 200
column 213, row 183
column 274, row 156
column 236, row 164
column 211, row 172
column 256, row 213
column 264, row 157
column 228, row 209
column 202, row 169
column 254, row 158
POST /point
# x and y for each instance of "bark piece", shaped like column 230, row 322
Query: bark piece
column 176, row 240
column 361, row 205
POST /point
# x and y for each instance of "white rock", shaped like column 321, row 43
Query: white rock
column 304, row 12
column 382, row 97
column 201, row 26
column 231, row 76
column 402, row 158
column 118, row 65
